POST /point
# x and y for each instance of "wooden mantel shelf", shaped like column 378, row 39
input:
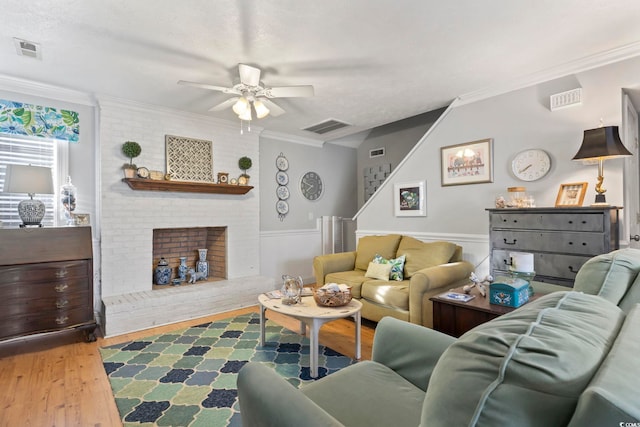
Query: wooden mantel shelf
column 185, row 187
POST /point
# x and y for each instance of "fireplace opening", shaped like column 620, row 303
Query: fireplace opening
column 173, row 243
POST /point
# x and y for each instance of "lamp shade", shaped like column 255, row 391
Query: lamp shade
column 601, row 143
column 28, row 179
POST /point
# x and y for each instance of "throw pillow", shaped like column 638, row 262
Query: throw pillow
column 378, row 271
column 397, row 266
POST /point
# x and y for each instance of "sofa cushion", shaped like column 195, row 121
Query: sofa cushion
column 378, row 271
column 390, row 293
column 353, row 278
column 612, row 396
column 369, row 246
column 531, row 364
column 609, row 275
column 359, row 396
column 397, row 266
column 421, row 254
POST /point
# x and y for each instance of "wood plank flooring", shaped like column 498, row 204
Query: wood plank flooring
column 58, row 379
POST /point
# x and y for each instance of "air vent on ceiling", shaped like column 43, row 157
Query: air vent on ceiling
column 326, row 126
column 566, row 99
column 27, row 48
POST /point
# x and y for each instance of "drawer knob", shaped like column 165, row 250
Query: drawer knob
column 571, row 269
column 62, row 320
column 510, row 243
column 61, row 273
column 570, row 222
column 61, row 287
column 62, row 303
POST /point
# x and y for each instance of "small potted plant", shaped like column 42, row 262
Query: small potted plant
column 244, row 163
column 131, row 149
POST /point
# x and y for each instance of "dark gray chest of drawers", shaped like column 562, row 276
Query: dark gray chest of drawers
column 46, row 281
column 561, row 239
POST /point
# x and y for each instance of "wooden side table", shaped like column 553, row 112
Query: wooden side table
column 455, row 318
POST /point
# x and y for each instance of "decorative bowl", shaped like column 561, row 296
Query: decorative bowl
column 327, row 298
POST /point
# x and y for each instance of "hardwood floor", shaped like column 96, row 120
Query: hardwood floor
column 58, row 379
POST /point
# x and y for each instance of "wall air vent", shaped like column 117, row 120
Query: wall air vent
column 27, row 48
column 326, row 126
column 376, row 152
column 565, row 99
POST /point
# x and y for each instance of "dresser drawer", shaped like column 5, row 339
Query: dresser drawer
column 44, row 321
column 561, row 242
column 45, row 271
column 24, row 304
column 545, row 264
column 12, row 292
column 585, row 222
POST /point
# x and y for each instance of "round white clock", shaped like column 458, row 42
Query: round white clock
column 311, row 186
column 531, row 165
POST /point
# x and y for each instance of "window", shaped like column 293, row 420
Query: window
column 26, row 150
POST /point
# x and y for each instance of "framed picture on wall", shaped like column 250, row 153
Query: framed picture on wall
column 571, row 194
column 409, row 199
column 468, row 163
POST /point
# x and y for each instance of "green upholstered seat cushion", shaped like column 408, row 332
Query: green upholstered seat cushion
column 367, row 394
column 389, row 293
column 612, row 396
column 370, row 246
column 531, row 364
column 609, row 275
column 419, row 254
column 353, row 278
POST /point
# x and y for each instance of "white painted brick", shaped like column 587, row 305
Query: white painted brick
column 129, row 217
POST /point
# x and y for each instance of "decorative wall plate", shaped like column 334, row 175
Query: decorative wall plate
column 282, row 178
column 282, row 163
column 189, row 159
column 282, row 192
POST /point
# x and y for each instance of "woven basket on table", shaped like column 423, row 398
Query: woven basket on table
column 332, row 298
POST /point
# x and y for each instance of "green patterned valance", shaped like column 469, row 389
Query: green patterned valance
column 35, row 120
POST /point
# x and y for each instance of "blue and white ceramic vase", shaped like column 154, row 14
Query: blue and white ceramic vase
column 163, row 272
column 182, row 269
column 202, row 266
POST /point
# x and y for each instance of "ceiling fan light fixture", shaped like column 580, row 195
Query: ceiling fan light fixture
column 245, row 115
column 242, row 106
column 261, row 110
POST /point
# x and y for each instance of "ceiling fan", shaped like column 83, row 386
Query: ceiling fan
column 252, row 94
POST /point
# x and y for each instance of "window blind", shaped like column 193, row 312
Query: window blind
column 25, row 150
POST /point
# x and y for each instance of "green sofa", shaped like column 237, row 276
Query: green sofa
column 567, row 358
column 429, row 269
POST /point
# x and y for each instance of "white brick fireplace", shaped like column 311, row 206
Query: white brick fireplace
column 129, row 217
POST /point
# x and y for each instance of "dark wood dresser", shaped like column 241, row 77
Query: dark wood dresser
column 46, row 281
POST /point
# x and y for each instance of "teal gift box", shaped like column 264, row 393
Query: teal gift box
column 509, row 291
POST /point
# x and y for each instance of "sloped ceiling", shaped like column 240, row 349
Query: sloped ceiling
column 371, row 61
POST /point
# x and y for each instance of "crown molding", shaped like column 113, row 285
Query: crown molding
column 580, row 65
column 44, row 90
column 292, row 138
column 115, row 102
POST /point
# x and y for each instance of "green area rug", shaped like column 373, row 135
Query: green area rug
column 188, row 377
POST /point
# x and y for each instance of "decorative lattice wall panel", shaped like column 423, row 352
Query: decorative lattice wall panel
column 189, row 159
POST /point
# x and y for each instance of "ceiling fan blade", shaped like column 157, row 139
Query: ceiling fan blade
column 226, row 104
column 249, row 75
column 289, row 91
column 222, row 89
column 274, row 109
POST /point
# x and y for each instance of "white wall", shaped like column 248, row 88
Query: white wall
column 516, row 121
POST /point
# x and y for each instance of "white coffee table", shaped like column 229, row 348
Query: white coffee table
column 311, row 314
